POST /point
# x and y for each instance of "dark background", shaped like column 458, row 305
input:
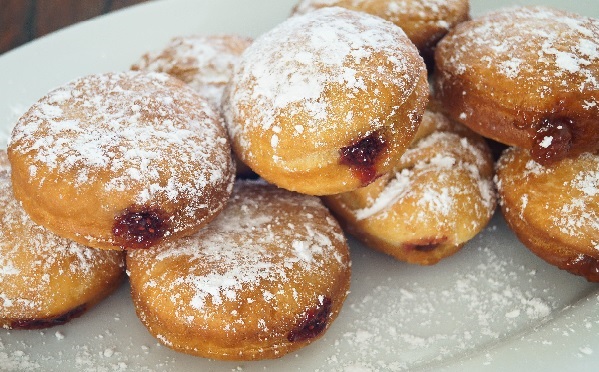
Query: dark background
column 25, row 20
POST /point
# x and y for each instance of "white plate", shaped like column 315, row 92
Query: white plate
column 492, row 306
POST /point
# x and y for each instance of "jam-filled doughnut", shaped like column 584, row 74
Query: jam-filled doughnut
column 424, row 21
column 266, row 277
column 121, row 160
column 46, row 280
column 440, row 196
column 205, row 62
column 326, row 102
column 554, row 210
column 526, row 77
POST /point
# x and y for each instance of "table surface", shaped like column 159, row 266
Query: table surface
column 24, row 20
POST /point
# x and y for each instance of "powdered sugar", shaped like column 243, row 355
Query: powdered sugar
column 546, row 142
column 17, row 361
column 394, row 191
column 447, row 153
column 12, row 115
column 204, row 62
column 428, row 8
column 397, row 318
column 417, row 12
column 141, row 353
column 575, row 183
column 118, row 141
column 126, row 131
column 32, row 259
column 253, row 253
column 587, row 181
column 421, row 327
column 288, row 71
column 516, row 43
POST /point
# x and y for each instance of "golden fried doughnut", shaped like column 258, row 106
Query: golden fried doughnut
column 121, row 160
column 266, row 277
column 204, row 62
column 440, row 196
column 326, row 102
column 424, row 21
column 526, row 77
column 554, row 210
column 46, row 280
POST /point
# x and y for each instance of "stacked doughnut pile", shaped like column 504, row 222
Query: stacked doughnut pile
column 332, row 117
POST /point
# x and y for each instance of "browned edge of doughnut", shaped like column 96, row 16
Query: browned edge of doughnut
column 513, row 126
column 543, row 245
column 76, row 311
column 424, row 253
column 283, row 345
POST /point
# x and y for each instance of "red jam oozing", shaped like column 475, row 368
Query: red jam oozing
column 585, row 266
column 362, row 156
column 552, row 140
column 313, row 322
column 425, row 245
column 49, row 322
column 138, row 229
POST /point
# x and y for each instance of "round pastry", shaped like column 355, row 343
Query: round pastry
column 205, row 62
column 526, row 77
column 121, row 160
column 440, row 196
column 424, row 21
column 326, row 102
column 46, row 280
column 266, row 277
column 554, row 210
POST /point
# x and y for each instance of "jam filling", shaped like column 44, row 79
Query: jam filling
column 552, row 140
column 362, row 156
column 585, row 266
column 313, row 323
column 425, row 245
column 49, row 322
column 138, row 229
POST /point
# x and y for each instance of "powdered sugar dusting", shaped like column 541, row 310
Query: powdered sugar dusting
column 575, row 183
column 425, row 175
column 31, row 257
column 17, row 361
column 429, row 9
column 395, row 190
column 119, row 133
column 587, row 182
column 14, row 113
column 252, row 248
column 289, row 70
column 204, row 62
column 417, row 12
column 563, row 45
column 580, row 215
column 477, row 306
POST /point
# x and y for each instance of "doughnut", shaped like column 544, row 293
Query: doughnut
column 121, row 160
column 268, row 276
column 425, row 22
column 439, row 197
column 326, row 102
column 205, row 63
column 554, row 209
column 525, row 77
column 46, row 280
